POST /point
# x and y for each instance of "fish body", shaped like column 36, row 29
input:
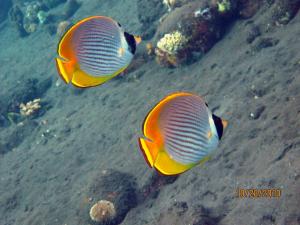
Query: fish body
column 179, row 133
column 94, row 50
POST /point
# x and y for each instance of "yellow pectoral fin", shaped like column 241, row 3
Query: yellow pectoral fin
column 168, row 166
column 65, row 69
column 149, row 151
column 82, row 79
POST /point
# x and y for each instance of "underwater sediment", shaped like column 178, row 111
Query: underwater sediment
column 64, row 149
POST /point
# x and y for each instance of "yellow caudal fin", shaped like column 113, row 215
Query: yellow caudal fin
column 167, row 166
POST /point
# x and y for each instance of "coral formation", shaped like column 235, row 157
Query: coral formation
column 42, row 16
column 223, row 6
column 62, row 27
column 116, row 187
column 168, row 48
column 103, row 211
column 171, row 4
column 188, row 31
column 283, row 11
column 172, row 43
column 29, row 15
column 31, row 19
column 192, row 28
column 31, row 10
column 30, row 107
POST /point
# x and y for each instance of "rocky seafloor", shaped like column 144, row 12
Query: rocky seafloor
column 81, row 144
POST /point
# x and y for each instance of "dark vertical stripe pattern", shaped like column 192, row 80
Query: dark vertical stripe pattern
column 97, row 43
column 185, row 125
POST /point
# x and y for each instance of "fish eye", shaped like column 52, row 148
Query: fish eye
column 119, row 25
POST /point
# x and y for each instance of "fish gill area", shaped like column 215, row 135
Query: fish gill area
column 63, row 149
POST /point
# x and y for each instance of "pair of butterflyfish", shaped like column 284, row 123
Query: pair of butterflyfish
column 180, row 132
column 94, row 50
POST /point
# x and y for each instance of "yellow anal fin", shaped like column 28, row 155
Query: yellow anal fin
column 168, row 166
column 65, row 69
column 82, row 79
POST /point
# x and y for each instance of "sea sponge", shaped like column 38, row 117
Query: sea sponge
column 103, row 211
column 172, row 43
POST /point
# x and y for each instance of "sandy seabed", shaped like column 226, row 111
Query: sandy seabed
column 53, row 167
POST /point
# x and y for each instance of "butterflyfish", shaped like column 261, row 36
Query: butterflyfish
column 179, row 133
column 94, row 50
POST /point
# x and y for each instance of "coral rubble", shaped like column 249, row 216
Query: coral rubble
column 30, row 107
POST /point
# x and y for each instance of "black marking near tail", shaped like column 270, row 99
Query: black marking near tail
column 131, row 42
column 219, row 125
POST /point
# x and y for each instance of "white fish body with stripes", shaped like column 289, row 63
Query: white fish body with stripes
column 180, row 132
column 94, row 50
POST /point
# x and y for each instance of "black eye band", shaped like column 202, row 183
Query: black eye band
column 131, row 42
column 219, row 125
